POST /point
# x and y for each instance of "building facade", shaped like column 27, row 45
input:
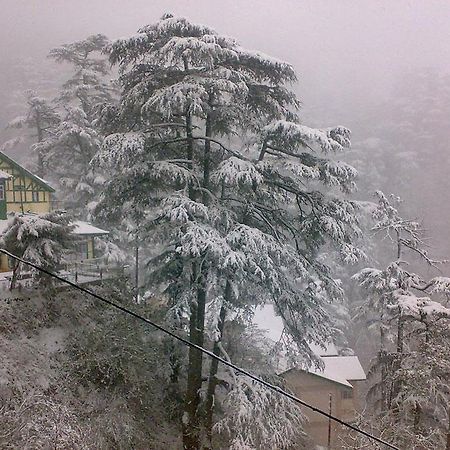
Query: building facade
column 333, row 389
column 23, row 192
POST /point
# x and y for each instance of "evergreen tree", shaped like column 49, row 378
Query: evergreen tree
column 41, row 118
column 41, row 239
column 76, row 139
column 211, row 162
column 411, row 382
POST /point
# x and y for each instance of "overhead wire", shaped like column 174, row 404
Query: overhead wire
column 202, row 349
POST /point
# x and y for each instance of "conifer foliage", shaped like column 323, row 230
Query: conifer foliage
column 76, row 139
column 411, row 370
column 211, row 160
column 41, row 239
column 40, row 119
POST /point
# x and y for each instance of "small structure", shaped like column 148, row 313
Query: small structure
column 332, row 388
column 21, row 191
column 87, row 232
column 25, row 193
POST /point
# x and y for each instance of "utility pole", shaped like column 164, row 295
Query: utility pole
column 329, row 423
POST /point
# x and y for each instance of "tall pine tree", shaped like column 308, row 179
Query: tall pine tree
column 211, row 162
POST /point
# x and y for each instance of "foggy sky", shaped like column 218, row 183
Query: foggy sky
column 348, row 54
column 346, row 51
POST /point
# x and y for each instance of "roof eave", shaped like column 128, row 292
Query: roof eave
column 35, row 178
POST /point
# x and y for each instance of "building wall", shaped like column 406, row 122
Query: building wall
column 316, row 391
column 4, row 267
column 24, row 194
column 19, row 192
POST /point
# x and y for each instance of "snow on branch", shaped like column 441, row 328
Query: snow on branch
column 235, row 171
column 119, row 148
column 419, row 306
column 177, row 98
column 180, row 208
column 256, row 417
column 292, row 136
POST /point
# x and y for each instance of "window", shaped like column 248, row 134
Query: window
column 348, row 393
column 2, row 191
column 35, row 196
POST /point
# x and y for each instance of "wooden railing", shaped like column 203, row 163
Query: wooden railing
column 77, row 271
column 95, row 269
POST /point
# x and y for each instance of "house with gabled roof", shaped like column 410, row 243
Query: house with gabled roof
column 23, row 192
column 332, row 385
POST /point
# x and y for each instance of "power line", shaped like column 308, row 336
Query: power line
column 201, row 349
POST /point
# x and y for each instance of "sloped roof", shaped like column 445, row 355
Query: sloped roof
column 87, row 229
column 340, row 369
column 81, row 228
column 44, row 184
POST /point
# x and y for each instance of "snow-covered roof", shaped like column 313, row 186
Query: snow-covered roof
column 81, row 228
column 336, row 368
column 340, row 369
column 43, row 181
column 4, row 175
column 85, row 228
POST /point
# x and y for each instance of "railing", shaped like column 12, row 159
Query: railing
column 91, row 269
column 78, row 271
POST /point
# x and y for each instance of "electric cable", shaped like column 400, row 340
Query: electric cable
column 201, row 349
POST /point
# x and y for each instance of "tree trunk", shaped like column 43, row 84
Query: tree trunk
column 212, row 380
column 207, row 160
column 191, row 418
column 383, row 362
column 14, row 276
column 190, row 150
column 400, row 326
column 40, row 138
column 397, row 364
column 417, row 415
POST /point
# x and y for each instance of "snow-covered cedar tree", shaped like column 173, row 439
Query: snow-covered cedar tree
column 400, row 306
column 256, row 417
column 236, row 196
column 76, row 140
column 40, row 119
column 42, row 239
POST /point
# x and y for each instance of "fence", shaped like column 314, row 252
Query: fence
column 91, row 270
column 78, row 271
